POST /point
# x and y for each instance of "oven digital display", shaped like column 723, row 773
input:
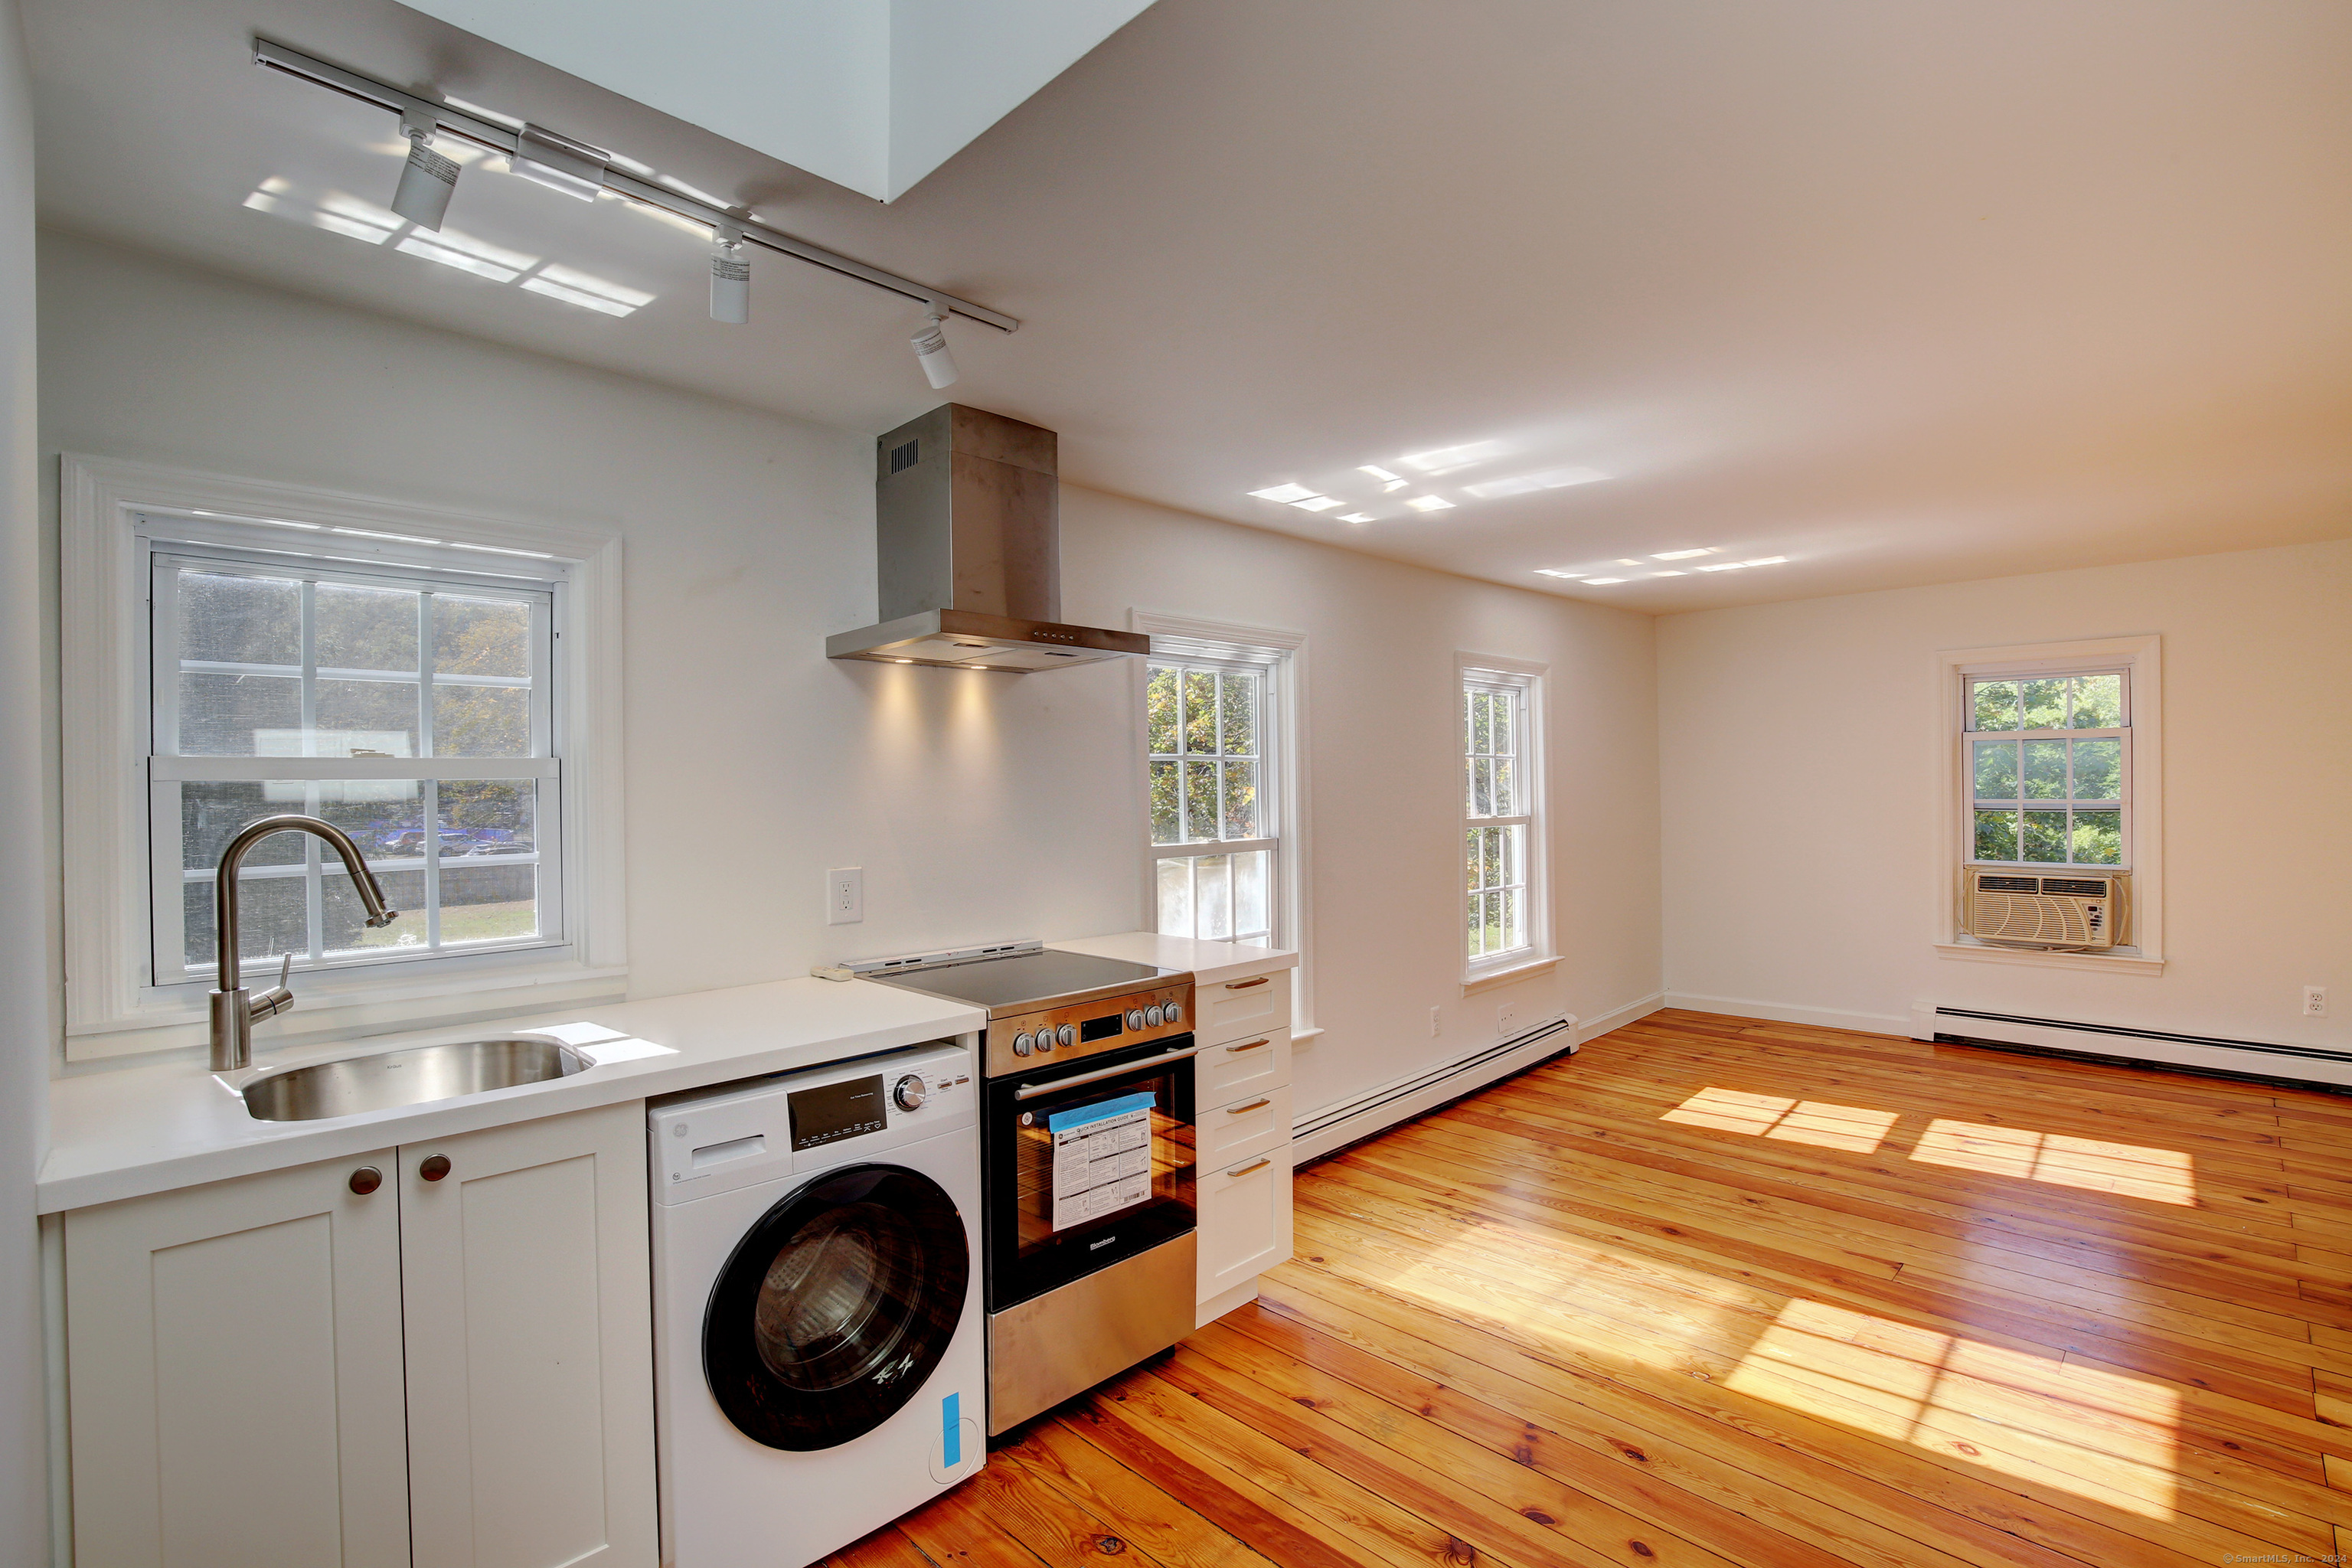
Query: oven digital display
column 836, row 1111
column 1101, row 1028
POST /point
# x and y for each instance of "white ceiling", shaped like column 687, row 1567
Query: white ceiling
column 1906, row 292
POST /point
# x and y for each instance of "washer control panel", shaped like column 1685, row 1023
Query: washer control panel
column 1083, row 1028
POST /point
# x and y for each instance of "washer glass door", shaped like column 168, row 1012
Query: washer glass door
column 835, row 1307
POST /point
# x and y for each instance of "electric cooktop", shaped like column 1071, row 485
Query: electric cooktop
column 1022, row 982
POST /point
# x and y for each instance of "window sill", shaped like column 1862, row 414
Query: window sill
column 1492, row 978
column 326, row 1015
column 2108, row 963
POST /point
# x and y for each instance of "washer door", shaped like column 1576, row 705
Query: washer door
column 836, row 1307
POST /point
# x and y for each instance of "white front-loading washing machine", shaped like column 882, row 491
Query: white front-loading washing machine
column 819, row 1350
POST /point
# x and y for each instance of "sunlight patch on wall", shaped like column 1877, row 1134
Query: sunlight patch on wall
column 2127, row 1170
column 1853, row 1128
column 2096, row 1435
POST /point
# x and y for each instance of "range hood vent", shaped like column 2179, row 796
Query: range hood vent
column 968, row 524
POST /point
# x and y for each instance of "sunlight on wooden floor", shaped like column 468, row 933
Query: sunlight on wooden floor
column 2161, row 1176
column 1849, row 1127
column 2097, row 1435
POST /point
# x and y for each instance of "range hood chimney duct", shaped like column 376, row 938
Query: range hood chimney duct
column 968, row 525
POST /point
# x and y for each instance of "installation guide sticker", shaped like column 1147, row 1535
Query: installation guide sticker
column 1102, row 1158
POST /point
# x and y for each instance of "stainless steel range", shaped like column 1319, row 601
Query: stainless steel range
column 1086, row 1148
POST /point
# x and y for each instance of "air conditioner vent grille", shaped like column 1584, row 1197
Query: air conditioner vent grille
column 906, row 455
column 2047, row 911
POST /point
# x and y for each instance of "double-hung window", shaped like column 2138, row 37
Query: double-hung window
column 410, row 705
column 1215, row 824
column 2049, row 768
column 1502, row 892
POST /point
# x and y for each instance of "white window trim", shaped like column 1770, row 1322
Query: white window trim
column 1282, row 653
column 110, row 1011
column 1539, row 956
column 2143, row 657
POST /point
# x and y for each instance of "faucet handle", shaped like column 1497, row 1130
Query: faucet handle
column 278, row 998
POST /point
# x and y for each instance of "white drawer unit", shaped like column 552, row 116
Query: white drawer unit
column 1231, row 1133
column 1244, row 1221
column 1226, row 1010
column 1240, row 1068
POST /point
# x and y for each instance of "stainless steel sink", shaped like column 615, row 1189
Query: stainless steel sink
column 411, row 1076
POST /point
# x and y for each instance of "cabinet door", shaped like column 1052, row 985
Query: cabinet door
column 1244, row 1220
column 235, row 1358
column 525, row 1271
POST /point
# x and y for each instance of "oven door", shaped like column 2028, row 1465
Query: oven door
column 1088, row 1162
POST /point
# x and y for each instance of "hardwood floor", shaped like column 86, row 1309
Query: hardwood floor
column 1718, row 1291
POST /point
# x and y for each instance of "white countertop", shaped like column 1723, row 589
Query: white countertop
column 1210, row 961
column 130, row 1131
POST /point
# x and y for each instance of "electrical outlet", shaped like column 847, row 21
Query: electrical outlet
column 1435, row 1028
column 844, row 895
column 1506, row 1017
column 2315, row 1001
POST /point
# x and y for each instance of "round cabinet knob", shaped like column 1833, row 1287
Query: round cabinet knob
column 1068, row 1034
column 1023, row 1043
column 1155, row 1015
column 366, row 1179
column 1135, row 1018
column 910, row 1093
column 1175, row 1012
column 434, row 1167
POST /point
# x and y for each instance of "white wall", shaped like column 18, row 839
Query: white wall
column 29, row 909
column 1386, row 772
column 980, row 807
column 1802, row 749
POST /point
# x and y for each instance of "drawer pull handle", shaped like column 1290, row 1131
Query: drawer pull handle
column 1246, row 1109
column 1245, row 985
column 1253, row 1165
column 1233, row 1050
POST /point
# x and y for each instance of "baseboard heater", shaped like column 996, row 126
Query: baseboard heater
column 2315, row 1065
column 1335, row 1127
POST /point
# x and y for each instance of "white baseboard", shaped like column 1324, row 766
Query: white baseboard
column 1319, row 1131
column 1617, row 1018
column 2308, row 1064
column 1780, row 1012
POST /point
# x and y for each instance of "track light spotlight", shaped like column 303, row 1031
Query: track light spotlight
column 931, row 348
column 730, row 278
column 425, row 180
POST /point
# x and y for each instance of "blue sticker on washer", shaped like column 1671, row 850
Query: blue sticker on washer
column 951, row 1431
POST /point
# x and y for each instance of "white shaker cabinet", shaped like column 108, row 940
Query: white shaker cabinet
column 529, row 1330
column 283, row 1369
column 234, row 1357
column 1242, row 1093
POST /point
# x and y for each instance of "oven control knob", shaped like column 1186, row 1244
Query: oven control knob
column 1024, row 1043
column 1175, row 1012
column 910, row 1093
column 1068, row 1034
column 1046, row 1038
column 1135, row 1018
column 1155, row 1015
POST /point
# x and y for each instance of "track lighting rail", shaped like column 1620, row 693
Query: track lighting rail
column 493, row 137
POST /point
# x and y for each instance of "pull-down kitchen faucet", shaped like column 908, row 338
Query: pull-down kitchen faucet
column 235, row 1009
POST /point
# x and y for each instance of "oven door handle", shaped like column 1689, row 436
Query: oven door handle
column 1034, row 1089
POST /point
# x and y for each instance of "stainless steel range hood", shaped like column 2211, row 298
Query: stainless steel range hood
column 968, row 522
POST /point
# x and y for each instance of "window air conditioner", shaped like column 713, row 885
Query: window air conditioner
column 2025, row 910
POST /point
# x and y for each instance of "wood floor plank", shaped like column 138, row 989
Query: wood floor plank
column 1581, row 1318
